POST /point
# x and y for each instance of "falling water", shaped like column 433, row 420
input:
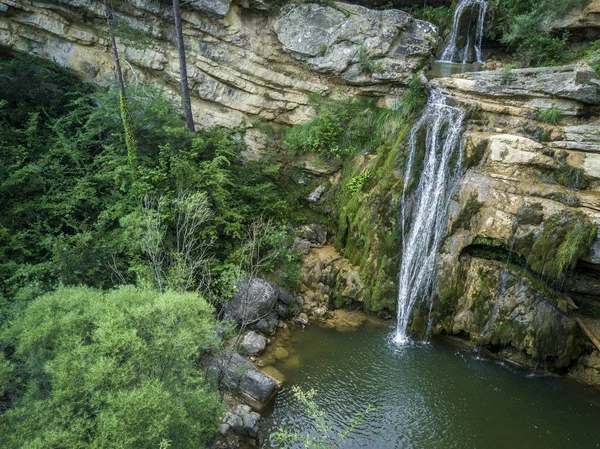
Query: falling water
column 436, row 144
column 452, row 53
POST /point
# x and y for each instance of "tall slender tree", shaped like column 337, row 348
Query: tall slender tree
column 130, row 141
column 185, row 90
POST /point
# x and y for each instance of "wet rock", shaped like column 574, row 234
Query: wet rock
column 253, row 343
column 281, row 353
column 268, row 325
column 283, row 311
column 302, row 319
column 253, row 299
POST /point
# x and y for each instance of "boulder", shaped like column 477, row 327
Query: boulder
column 268, row 324
column 253, row 343
column 359, row 45
column 301, row 245
column 242, row 421
column 315, row 234
column 240, row 377
column 253, row 299
column 285, row 297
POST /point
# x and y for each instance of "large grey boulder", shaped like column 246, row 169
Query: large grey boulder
column 253, row 299
column 253, row 343
column 243, row 421
column 360, row 45
column 239, row 376
column 214, row 8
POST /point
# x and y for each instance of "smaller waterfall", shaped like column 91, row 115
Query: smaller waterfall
column 454, row 54
column 435, row 143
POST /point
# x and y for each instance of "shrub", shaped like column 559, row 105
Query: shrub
column 116, row 369
column 341, row 129
column 524, row 28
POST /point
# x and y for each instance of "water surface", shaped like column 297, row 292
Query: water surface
column 430, row 396
column 443, row 69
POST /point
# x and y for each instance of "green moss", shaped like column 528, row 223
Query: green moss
column 564, row 239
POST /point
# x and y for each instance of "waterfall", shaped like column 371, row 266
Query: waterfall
column 435, row 142
column 452, row 53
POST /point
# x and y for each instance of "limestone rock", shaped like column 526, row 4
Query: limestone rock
column 238, row 69
column 577, row 83
column 253, row 343
column 253, row 299
column 217, row 8
column 239, row 376
column 316, row 194
column 361, row 46
column 518, row 316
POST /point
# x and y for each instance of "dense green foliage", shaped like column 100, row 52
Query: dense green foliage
column 342, row 129
column 110, row 370
column 72, row 210
column 524, row 26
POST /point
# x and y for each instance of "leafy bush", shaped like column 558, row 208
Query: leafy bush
column 341, row 129
column 524, row 27
column 117, row 369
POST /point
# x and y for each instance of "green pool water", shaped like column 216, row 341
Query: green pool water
column 429, row 396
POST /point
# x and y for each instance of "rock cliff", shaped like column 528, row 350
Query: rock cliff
column 530, row 195
column 245, row 63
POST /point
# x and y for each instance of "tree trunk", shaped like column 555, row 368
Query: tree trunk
column 130, row 141
column 185, row 90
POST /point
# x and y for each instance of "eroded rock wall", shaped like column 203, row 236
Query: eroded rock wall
column 244, row 63
column 529, row 184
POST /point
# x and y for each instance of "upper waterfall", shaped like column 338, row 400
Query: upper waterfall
column 454, row 53
column 435, row 143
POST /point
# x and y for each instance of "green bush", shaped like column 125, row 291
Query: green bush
column 523, row 27
column 116, row 369
column 341, row 129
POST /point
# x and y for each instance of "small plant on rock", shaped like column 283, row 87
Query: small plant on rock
column 550, row 115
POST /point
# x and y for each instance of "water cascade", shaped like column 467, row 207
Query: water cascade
column 454, row 54
column 435, row 144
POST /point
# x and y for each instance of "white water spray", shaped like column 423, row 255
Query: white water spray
column 424, row 212
column 454, row 54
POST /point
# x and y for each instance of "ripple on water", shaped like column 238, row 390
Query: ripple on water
column 430, row 396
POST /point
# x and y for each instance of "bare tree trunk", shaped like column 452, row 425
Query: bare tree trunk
column 185, row 90
column 130, row 141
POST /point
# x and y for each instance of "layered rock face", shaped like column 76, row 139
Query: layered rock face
column 530, row 196
column 244, row 63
